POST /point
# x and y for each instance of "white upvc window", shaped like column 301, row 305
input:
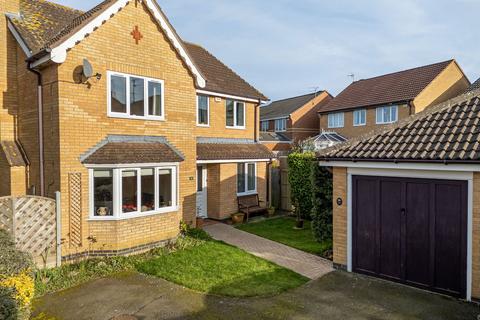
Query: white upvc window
column 203, row 111
column 135, row 97
column 124, row 193
column 235, row 114
column 264, row 125
column 280, row 125
column 387, row 114
column 336, row 120
column 360, row 117
column 246, row 178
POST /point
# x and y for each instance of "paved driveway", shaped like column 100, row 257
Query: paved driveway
column 337, row 295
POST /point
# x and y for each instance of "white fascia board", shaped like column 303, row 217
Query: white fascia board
column 59, row 53
column 232, row 161
column 19, row 39
column 277, row 118
column 403, row 165
column 228, row 96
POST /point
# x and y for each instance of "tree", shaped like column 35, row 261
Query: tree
column 299, row 173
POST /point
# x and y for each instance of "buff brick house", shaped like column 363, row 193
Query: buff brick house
column 158, row 131
column 294, row 119
column 371, row 103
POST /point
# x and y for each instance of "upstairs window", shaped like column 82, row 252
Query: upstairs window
column 135, row 97
column 203, row 110
column 360, row 117
column 235, row 114
column 280, row 125
column 246, row 178
column 387, row 114
column 264, row 126
column 335, row 120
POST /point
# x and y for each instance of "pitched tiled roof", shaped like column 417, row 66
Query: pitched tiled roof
column 231, row 149
column 449, row 132
column 43, row 24
column 285, row 107
column 221, row 78
column 390, row 88
column 474, row 86
column 132, row 149
column 273, row 137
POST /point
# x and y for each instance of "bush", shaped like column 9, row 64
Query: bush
column 299, row 173
column 322, row 186
column 16, row 280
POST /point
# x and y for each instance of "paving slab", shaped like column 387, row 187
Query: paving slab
column 306, row 264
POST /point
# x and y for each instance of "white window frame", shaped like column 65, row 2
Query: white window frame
column 332, row 120
column 281, row 125
column 359, row 112
column 117, row 191
column 235, row 106
column 391, row 108
column 247, row 192
column 208, row 111
column 127, row 115
column 264, row 125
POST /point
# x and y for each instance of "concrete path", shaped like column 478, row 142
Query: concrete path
column 308, row 265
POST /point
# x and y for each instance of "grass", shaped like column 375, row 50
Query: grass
column 195, row 261
column 220, row 269
column 282, row 230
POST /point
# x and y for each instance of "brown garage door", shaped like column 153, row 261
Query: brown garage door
column 412, row 231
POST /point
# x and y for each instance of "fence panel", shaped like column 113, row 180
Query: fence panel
column 31, row 221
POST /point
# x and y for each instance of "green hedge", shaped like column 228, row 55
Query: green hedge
column 322, row 188
column 299, row 172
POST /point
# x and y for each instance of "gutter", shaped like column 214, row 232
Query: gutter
column 446, row 162
column 40, row 127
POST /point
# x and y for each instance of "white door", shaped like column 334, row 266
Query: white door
column 202, row 191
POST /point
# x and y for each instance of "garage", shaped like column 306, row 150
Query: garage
column 412, row 231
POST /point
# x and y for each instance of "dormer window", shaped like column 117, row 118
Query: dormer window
column 135, row 97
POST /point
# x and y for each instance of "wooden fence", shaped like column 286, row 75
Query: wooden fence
column 280, row 186
column 32, row 222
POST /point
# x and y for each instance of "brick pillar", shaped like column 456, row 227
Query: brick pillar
column 340, row 216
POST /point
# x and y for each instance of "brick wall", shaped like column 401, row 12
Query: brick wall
column 304, row 122
column 476, row 236
column 222, row 188
column 340, row 216
column 350, row 131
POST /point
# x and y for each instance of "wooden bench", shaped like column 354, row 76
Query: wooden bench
column 250, row 204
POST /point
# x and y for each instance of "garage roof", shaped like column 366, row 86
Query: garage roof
column 449, row 132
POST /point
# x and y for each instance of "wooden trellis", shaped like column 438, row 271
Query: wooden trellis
column 32, row 222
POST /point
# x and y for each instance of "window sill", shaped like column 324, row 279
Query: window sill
column 250, row 193
column 203, row 125
column 148, row 118
column 387, row 122
column 134, row 215
column 236, row 128
column 360, row 125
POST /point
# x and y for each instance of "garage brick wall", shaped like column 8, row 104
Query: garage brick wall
column 476, row 237
column 340, row 216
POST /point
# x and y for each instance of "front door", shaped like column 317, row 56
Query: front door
column 202, row 191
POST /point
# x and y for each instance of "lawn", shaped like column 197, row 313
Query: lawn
column 194, row 261
column 217, row 268
column 282, row 230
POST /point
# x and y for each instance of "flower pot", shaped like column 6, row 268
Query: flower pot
column 271, row 212
column 299, row 224
column 238, row 218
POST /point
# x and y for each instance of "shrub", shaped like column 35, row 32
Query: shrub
column 322, row 203
column 299, row 172
column 16, row 280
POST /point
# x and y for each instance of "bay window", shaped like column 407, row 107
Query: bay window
column 235, row 114
column 246, row 178
column 123, row 193
column 135, row 97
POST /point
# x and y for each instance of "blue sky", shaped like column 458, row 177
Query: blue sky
column 289, row 47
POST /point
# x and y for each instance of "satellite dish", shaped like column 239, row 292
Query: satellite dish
column 87, row 69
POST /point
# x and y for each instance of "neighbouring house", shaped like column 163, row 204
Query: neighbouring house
column 406, row 200
column 135, row 127
column 370, row 103
column 285, row 121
